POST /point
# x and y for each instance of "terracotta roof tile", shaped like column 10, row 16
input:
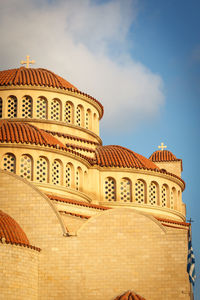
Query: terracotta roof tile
column 75, row 202
column 163, row 155
column 39, row 77
column 164, row 221
column 11, row 231
column 73, row 146
column 129, row 295
column 72, row 137
column 117, row 156
column 74, row 214
column 21, row 132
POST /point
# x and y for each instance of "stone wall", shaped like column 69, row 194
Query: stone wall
column 122, row 250
column 18, row 272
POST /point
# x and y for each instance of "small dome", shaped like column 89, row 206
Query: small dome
column 163, row 155
column 129, row 296
column 11, row 231
column 117, row 156
column 18, row 132
column 39, row 77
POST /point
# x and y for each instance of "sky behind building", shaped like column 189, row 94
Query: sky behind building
column 140, row 59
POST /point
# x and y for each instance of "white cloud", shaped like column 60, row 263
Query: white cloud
column 75, row 39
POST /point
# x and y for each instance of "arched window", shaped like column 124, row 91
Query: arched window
column 9, row 162
column 78, row 179
column 12, row 107
column 125, row 190
column 165, row 196
column 56, row 172
column 41, row 108
column 140, row 191
column 153, row 193
column 69, row 112
column 42, row 169
column 110, row 189
column 173, row 201
column 94, row 127
column 88, row 119
column 55, row 110
column 26, row 165
column 27, row 107
column 1, row 107
column 79, row 115
column 69, row 174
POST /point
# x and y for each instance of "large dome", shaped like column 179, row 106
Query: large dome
column 118, row 156
column 11, row 231
column 20, row 132
column 38, row 77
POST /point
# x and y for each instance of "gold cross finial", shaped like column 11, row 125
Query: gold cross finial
column 27, row 61
column 162, row 147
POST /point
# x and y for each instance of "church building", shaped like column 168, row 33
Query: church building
column 80, row 220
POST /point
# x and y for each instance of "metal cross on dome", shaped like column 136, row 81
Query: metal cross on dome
column 162, row 147
column 27, row 61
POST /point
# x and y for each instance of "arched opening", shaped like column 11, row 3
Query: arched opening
column 153, row 193
column 69, row 175
column 42, row 169
column 12, row 107
column 79, row 116
column 94, row 127
column 88, row 119
column 56, row 110
column 57, row 172
column 9, row 162
column 173, row 202
column 125, row 190
column 69, row 112
column 1, row 107
column 79, row 179
column 41, row 108
column 110, row 189
column 26, row 167
column 27, row 108
column 165, row 196
column 140, row 191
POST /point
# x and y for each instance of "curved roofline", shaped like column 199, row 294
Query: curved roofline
column 157, row 169
column 40, row 77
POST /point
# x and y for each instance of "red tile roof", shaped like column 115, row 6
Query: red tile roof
column 77, row 147
column 74, row 214
column 20, row 132
column 72, row 137
column 75, row 202
column 11, row 231
column 129, row 295
column 163, row 155
column 173, row 221
column 39, row 77
column 30, row 76
column 118, row 156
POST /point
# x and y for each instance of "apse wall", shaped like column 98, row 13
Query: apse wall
column 18, row 272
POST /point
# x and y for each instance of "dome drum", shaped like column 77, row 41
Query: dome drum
column 51, row 106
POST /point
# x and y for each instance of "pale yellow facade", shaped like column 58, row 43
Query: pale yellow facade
column 101, row 230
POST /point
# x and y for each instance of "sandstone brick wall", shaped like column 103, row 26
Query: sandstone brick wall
column 18, row 273
column 115, row 251
column 122, row 250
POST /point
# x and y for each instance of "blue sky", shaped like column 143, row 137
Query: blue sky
column 167, row 40
column 141, row 59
